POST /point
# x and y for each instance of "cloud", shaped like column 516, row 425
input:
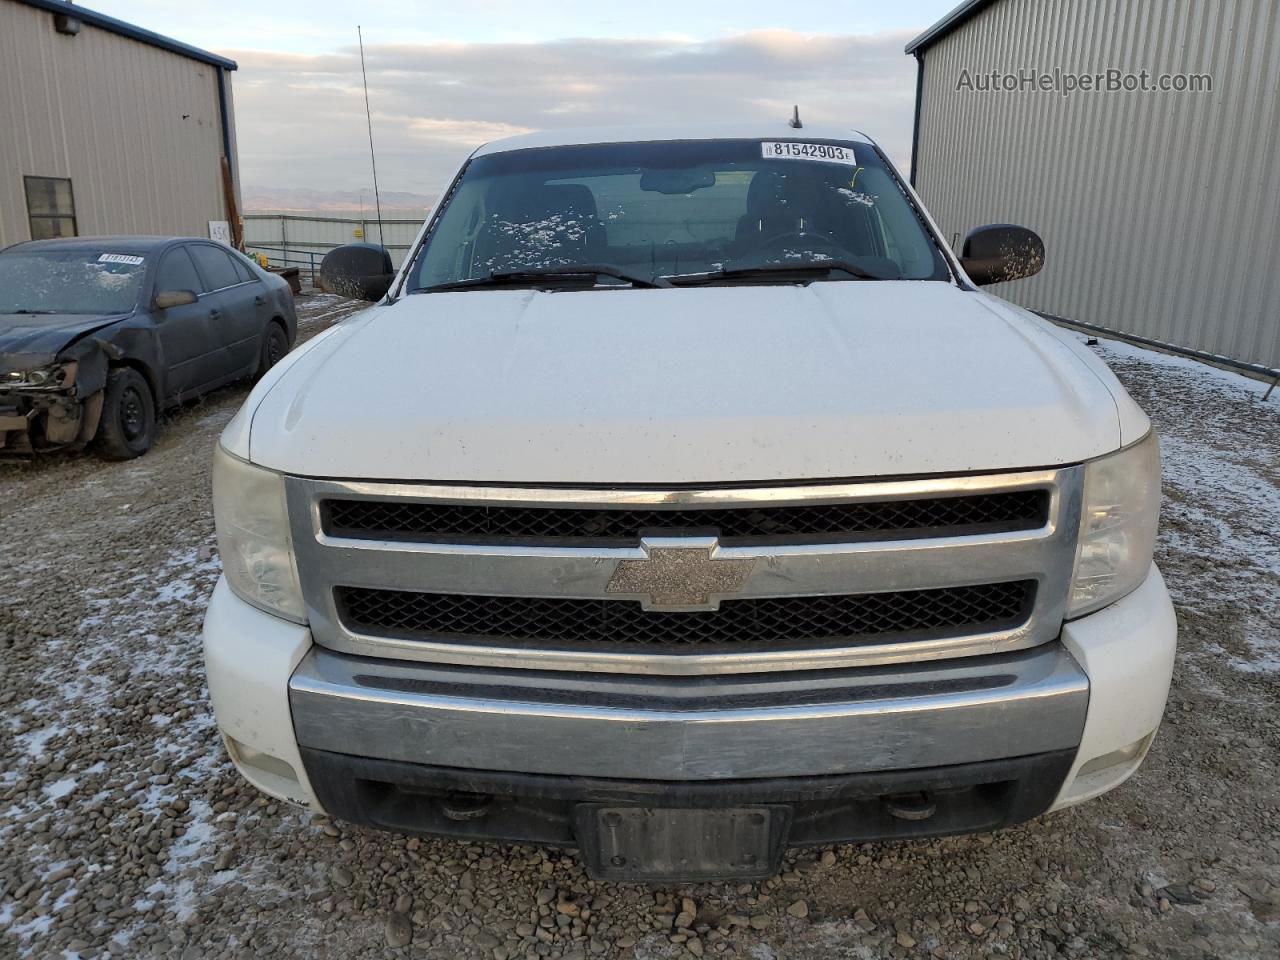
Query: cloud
column 471, row 133
column 300, row 118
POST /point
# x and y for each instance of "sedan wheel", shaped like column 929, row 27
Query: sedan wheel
column 132, row 413
column 274, row 347
column 128, row 425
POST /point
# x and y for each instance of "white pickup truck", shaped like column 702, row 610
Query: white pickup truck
column 681, row 499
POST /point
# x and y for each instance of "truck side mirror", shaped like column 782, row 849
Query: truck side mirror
column 1001, row 251
column 174, row 298
column 361, row 271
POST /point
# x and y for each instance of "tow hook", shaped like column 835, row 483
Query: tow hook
column 910, row 806
column 466, row 806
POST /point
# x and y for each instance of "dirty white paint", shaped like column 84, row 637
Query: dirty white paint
column 693, row 385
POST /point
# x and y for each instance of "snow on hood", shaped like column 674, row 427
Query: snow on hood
column 693, row 385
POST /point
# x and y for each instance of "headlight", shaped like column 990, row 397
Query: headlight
column 253, row 536
column 60, row 374
column 1117, row 526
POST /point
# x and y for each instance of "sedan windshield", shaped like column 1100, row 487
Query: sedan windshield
column 712, row 211
column 62, row 281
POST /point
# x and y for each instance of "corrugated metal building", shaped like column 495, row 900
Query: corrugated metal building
column 107, row 128
column 1160, row 210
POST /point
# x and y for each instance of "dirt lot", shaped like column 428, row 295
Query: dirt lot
column 126, row 833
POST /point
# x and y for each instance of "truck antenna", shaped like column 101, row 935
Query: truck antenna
column 794, row 122
column 373, row 160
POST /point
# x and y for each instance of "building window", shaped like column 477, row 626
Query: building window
column 51, row 207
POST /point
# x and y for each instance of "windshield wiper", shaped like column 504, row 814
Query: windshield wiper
column 511, row 278
column 812, row 270
column 29, row 313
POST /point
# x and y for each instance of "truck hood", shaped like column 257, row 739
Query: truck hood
column 28, row 340
column 691, row 385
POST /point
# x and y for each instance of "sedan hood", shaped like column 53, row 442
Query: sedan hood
column 27, row 339
column 692, row 385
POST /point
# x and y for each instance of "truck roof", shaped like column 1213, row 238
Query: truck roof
column 739, row 130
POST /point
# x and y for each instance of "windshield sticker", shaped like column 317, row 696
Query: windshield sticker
column 120, row 258
column 819, row 152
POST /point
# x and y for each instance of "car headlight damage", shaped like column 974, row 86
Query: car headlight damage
column 54, row 375
column 253, row 536
column 1118, row 521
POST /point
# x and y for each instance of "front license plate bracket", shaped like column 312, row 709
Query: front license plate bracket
column 678, row 844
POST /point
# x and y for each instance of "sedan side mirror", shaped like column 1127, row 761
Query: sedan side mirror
column 174, row 298
column 1001, row 251
column 361, row 271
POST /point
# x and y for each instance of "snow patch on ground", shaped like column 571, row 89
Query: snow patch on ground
column 60, row 788
column 1220, row 521
column 80, row 686
column 1205, row 376
column 34, row 741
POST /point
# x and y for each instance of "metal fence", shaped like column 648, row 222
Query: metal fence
column 302, row 240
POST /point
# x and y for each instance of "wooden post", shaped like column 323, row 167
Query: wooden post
column 233, row 212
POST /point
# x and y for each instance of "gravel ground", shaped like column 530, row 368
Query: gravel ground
column 125, row 832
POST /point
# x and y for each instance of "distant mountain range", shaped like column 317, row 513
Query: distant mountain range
column 287, row 199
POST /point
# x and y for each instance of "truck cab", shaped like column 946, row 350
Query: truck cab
column 681, row 498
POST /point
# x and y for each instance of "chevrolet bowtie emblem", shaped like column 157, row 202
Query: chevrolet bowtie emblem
column 679, row 577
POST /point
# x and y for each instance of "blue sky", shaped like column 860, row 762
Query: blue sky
column 445, row 77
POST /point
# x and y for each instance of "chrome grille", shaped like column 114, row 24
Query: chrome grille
column 777, row 621
column 483, row 523
column 865, row 573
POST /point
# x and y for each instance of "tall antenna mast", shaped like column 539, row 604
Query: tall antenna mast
column 369, row 118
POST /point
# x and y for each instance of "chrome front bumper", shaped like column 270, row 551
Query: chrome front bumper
column 900, row 717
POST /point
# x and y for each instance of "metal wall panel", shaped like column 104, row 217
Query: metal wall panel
column 1160, row 211
column 136, row 128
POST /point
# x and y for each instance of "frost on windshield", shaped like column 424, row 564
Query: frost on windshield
column 806, row 255
column 557, row 239
column 108, row 280
column 67, row 283
column 856, row 196
column 664, row 209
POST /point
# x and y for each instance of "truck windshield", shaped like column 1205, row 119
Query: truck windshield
column 66, row 281
column 673, row 208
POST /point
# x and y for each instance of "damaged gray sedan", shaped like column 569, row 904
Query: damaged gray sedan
column 99, row 333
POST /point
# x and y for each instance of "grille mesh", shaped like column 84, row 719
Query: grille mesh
column 443, row 522
column 532, row 621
